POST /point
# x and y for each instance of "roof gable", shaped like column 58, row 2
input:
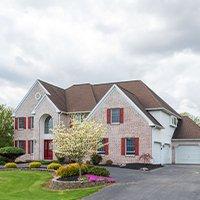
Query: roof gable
column 56, row 95
column 132, row 101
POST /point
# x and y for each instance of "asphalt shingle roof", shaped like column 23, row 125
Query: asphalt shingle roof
column 84, row 97
column 187, row 129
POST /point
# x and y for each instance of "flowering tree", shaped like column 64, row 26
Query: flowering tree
column 81, row 139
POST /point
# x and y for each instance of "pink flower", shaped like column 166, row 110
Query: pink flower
column 94, row 178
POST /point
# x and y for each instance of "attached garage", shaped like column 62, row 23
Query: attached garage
column 166, row 152
column 189, row 154
column 161, row 153
column 157, row 153
column 186, row 143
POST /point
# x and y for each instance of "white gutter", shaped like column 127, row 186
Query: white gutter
column 185, row 140
column 164, row 109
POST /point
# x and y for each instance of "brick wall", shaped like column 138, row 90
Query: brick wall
column 134, row 126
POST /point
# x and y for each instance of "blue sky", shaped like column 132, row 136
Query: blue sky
column 67, row 42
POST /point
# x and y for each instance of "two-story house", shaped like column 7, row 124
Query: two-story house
column 138, row 121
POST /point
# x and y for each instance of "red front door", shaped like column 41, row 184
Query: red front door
column 48, row 150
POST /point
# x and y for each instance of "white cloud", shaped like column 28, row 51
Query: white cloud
column 68, row 42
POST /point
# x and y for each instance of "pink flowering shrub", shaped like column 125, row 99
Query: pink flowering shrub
column 94, row 178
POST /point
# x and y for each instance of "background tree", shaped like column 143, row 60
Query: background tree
column 6, row 126
column 80, row 140
column 196, row 119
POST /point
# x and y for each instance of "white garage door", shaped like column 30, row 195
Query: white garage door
column 166, row 154
column 187, row 155
column 157, row 153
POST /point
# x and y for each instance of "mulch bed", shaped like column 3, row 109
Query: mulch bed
column 71, row 178
column 136, row 166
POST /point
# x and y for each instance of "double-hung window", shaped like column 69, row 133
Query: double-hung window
column 115, row 115
column 174, row 121
column 22, row 144
column 130, row 147
column 101, row 150
column 21, row 123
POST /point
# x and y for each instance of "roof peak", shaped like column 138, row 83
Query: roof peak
column 117, row 82
column 105, row 83
column 87, row 83
column 51, row 84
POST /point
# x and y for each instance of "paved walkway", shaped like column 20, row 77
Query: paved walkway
column 174, row 182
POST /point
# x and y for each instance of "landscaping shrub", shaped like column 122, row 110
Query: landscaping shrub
column 99, row 171
column 55, row 161
column 71, row 170
column 54, row 166
column 44, row 162
column 109, row 162
column 3, row 160
column 60, row 159
column 35, row 165
column 11, row 153
column 10, row 165
column 96, row 159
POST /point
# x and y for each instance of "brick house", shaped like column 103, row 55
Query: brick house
column 138, row 122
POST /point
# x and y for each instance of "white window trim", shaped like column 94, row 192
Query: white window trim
column 114, row 123
column 129, row 155
column 172, row 118
column 19, row 129
column 32, row 120
column 102, row 153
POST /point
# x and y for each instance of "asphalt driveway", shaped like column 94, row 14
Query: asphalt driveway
column 174, row 182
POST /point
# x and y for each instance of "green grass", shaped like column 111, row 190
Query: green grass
column 18, row 185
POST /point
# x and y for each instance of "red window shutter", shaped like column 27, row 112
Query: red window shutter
column 136, row 142
column 24, row 122
column 108, row 116
column 29, row 142
column 121, row 115
column 15, row 143
column 16, row 123
column 25, row 146
column 106, row 146
column 29, row 122
column 122, row 146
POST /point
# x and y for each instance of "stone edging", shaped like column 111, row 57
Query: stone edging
column 27, row 169
column 62, row 185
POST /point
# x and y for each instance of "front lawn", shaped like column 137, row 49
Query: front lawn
column 18, row 185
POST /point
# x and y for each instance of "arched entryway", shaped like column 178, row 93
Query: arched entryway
column 46, row 136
